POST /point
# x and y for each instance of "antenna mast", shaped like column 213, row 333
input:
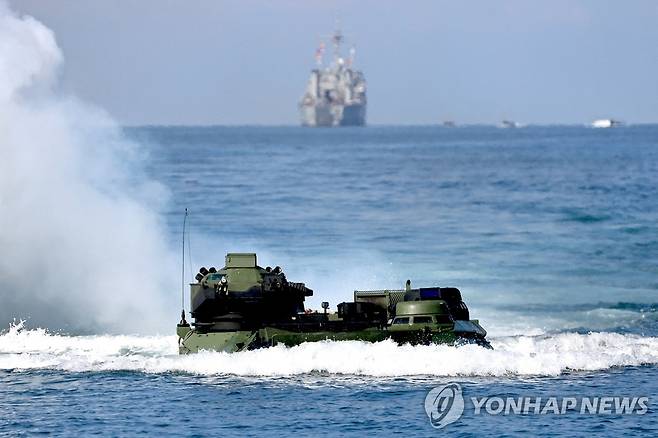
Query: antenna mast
column 182, row 279
column 337, row 39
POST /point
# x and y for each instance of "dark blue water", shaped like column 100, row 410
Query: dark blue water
column 551, row 233
column 122, row 403
column 544, row 215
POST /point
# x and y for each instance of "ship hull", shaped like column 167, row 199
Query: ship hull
column 322, row 115
column 353, row 115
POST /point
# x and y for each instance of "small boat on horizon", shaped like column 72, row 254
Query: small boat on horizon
column 606, row 123
column 509, row 124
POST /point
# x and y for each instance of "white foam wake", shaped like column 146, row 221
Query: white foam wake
column 521, row 355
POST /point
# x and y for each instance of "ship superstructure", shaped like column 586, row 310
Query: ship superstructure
column 335, row 94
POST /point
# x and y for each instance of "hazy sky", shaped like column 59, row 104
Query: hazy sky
column 247, row 62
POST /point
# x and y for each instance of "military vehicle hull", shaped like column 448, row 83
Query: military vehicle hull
column 192, row 341
column 243, row 307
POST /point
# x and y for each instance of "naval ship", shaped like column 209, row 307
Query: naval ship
column 336, row 94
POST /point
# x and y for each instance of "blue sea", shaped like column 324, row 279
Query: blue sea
column 551, row 234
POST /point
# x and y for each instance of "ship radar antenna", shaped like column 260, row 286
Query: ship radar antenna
column 337, row 40
column 319, row 54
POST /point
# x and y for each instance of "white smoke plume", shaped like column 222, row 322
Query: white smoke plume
column 82, row 246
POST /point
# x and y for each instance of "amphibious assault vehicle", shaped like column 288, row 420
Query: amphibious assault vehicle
column 243, row 306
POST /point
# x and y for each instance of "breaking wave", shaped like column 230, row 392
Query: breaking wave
column 546, row 355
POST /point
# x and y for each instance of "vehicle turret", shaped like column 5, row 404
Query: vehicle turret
column 243, row 294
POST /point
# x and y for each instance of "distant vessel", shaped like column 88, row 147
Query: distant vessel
column 335, row 95
column 509, row 124
column 606, row 123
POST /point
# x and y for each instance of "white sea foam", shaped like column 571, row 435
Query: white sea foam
column 520, row 355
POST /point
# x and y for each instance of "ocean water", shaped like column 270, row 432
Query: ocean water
column 551, row 233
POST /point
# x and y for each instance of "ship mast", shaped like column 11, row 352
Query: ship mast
column 337, row 39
